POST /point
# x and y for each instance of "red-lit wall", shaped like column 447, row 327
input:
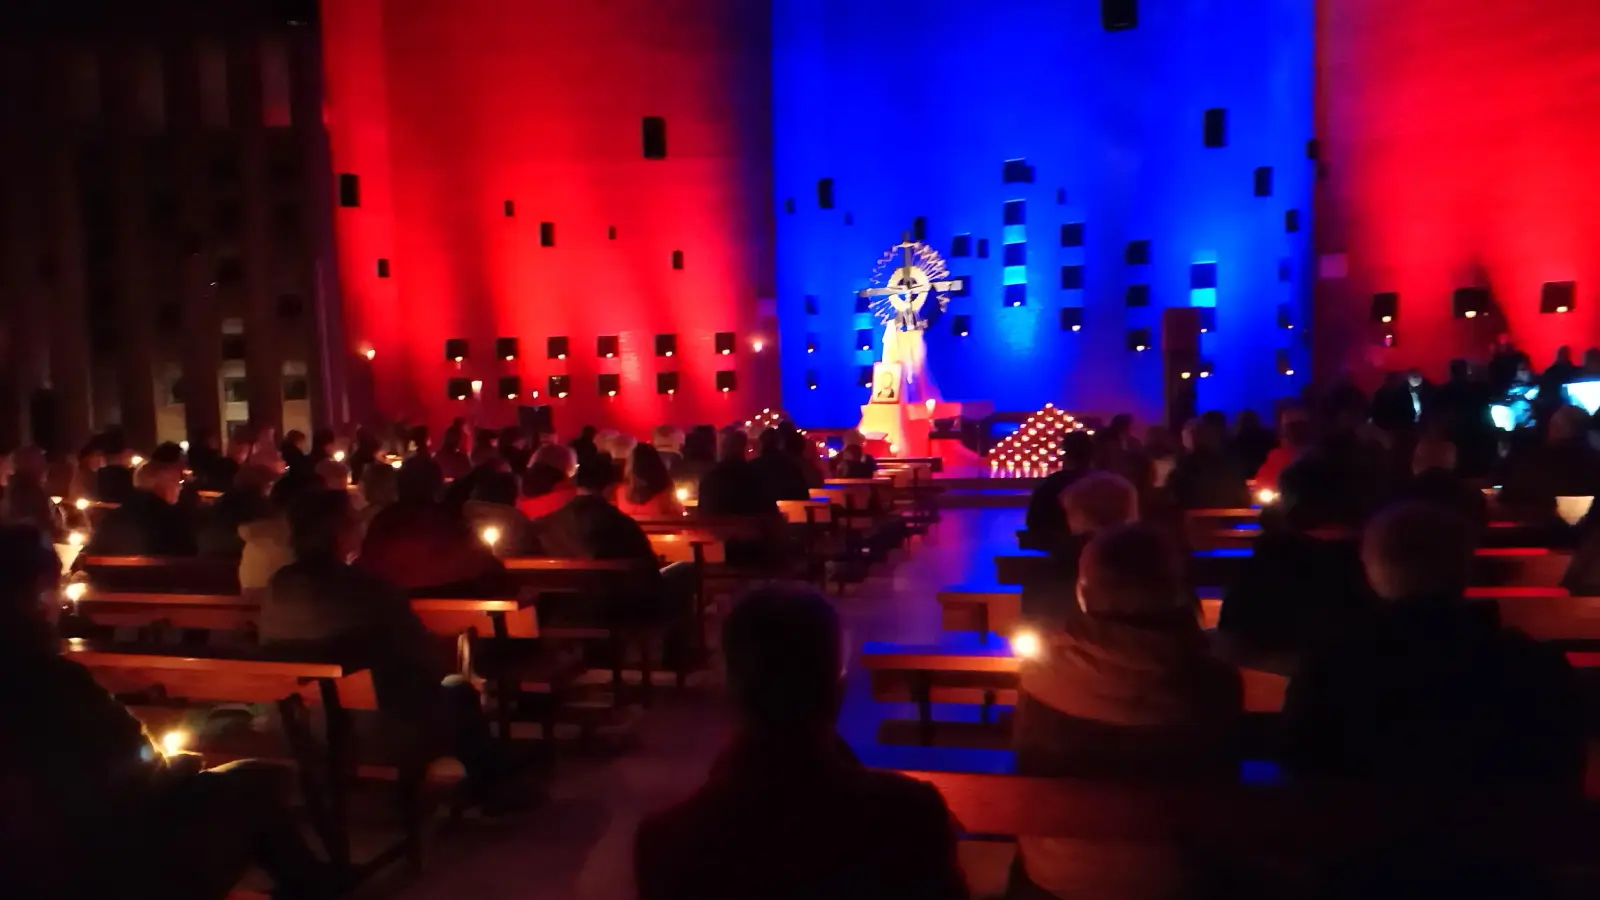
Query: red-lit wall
column 446, row 109
column 1462, row 144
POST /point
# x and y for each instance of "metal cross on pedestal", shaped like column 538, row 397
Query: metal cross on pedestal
column 908, row 287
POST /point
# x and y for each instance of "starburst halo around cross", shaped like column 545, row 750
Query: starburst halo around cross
column 905, row 290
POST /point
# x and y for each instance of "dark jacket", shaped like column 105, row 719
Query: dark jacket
column 113, row 484
column 735, row 488
column 426, row 547
column 327, row 607
column 1445, row 488
column 1046, row 520
column 588, row 527
column 1434, row 691
column 1295, row 591
column 144, row 525
column 782, row 477
column 778, row 821
column 1208, row 481
column 1050, row 601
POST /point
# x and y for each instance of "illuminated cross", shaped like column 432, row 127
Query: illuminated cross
column 908, row 288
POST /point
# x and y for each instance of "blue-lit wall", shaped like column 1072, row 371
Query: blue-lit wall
column 912, row 109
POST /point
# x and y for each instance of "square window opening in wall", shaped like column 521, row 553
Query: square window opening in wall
column 547, row 234
column 812, row 306
column 1285, row 364
column 1015, row 255
column 235, row 390
column 1139, row 339
column 811, row 343
column 1263, row 181
column 1215, row 128
column 233, row 347
column 788, row 206
column 1285, row 317
column 724, row 342
column 666, row 383
column 349, row 190
column 611, row 233
column 864, row 339
column 1072, row 234
column 559, row 386
column 864, row 376
column 556, row 348
column 1203, row 276
column 983, row 248
column 666, row 345
column 1016, row 171
column 863, row 304
column 609, row 384
column 458, row 388
column 1071, row 318
column 677, row 259
column 507, row 348
column 1138, row 295
column 825, row 196
column 653, row 136
column 1072, row 278
column 1137, row 253
column 455, row 349
column 961, row 245
column 1016, row 295
column 1385, row 307
column 510, row 386
column 961, row 326
column 727, row 381
column 1291, row 221
column 509, row 208
column 1557, row 297
column 1470, row 302
column 919, row 228
column 1119, row 15
column 607, row 346
column 383, row 268
column 1208, row 319
column 811, row 381
column 1015, row 212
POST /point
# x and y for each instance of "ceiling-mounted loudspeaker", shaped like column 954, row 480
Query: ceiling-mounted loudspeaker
column 1385, row 307
column 1557, row 297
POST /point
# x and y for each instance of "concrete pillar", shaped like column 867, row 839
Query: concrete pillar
column 136, row 356
column 263, row 351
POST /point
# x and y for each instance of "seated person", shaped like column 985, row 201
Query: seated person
column 1565, row 465
column 1432, row 691
column 1434, row 480
column 1127, row 689
column 780, row 474
column 244, row 501
column 424, row 547
column 547, row 486
column 1046, row 521
column 649, row 491
column 734, row 487
column 853, row 462
column 1297, row 442
column 89, row 806
column 494, row 505
column 334, row 475
column 787, row 810
column 320, row 604
column 1092, row 504
column 1304, row 582
column 266, row 539
column 1207, row 476
column 26, row 500
column 589, row 527
column 668, row 441
column 149, row 522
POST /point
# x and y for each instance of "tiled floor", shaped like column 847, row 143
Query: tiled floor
column 579, row 846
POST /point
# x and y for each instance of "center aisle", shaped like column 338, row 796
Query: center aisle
column 580, row 845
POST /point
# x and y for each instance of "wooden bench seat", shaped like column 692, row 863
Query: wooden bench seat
column 1494, row 566
column 1545, row 613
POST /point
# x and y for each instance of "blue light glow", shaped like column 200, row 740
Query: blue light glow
column 1113, row 120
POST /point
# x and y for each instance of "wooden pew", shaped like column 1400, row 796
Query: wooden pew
column 326, row 768
column 162, row 574
column 447, row 616
column 1545, row 613
column 1300, row 830
column 965, row 671
column 1493, row 566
